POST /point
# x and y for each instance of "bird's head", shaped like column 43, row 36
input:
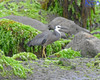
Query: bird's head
column 58, row 27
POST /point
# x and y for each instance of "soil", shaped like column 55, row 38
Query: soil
column 83, row 69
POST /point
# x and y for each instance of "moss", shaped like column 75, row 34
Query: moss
column 94, row 64
column 15, row 67
column 88, row 65
column 25, row 56
column 56, row 46
column 96, row 35
column 67, row 53
column 98, row 55
column 97, row 64
column 14, row 36
column 65, row 67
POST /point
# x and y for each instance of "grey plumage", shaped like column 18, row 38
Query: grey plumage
column 45, row 38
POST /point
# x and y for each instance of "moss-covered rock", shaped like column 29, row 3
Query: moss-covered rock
column 14, row 36
column 13, row 67
column 25, row 56
column 65, row 53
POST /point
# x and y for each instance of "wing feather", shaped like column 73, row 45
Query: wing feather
column 39, row 39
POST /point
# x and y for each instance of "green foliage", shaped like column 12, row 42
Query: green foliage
column 67, row 53
column 13, row 34
column 97, row 12
column 94, row 64
column 95, row 16
column 96, row 35
column 56, row 46
column 98, row 55
column 1, row 52
column 16, row 67
column 22, row 9
column 56, row 8
column 25, row 56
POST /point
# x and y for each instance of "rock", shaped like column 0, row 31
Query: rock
column 64, row 62
column 70, row 26
column 32, row 22
column 28, row 21
column 86, row 43
column 67, row 63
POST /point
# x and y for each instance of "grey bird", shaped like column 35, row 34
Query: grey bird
column 45, row 38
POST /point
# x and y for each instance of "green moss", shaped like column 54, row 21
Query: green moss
column 15, row 66
column 94, row 64
column 97, row 64
column 65, row 67
column 23, row 9
column 88, row 65
column 56, row 46
column 25, row 56
column 98, row 55
column 96, row 35
column 14, row 36
column 67, row 53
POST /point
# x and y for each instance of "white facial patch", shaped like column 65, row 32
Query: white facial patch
column 58, row 27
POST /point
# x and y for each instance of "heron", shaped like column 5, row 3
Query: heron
column 45, row 38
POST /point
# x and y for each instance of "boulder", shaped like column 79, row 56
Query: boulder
column 86, row 43
column 28, row 21
column 70, row 26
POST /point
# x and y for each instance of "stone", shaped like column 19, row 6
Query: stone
column 70, row 26
column 86, row 43
column 28, row 21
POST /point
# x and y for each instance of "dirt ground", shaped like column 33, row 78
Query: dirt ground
column 83, row 69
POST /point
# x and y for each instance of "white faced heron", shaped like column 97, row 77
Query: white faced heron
column 45, row 38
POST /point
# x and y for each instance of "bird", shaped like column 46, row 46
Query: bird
column 45, row 38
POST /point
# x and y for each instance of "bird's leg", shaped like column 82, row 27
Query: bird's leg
column 43, row 54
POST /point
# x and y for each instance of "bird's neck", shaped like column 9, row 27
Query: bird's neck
column 57, row 32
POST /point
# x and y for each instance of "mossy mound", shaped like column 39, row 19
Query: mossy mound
column 9, row 66
column 14, row 36
column 66, row 53
column 25, row 56
column 29, row 8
